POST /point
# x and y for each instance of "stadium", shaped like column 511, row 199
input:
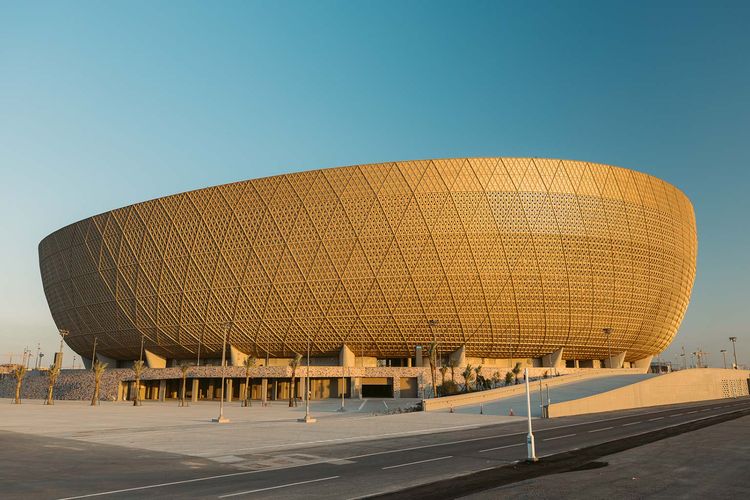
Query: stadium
column 542, row 261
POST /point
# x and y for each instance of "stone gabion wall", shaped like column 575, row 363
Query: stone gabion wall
column 79, row 384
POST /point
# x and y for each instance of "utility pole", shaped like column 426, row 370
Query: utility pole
column 307, row 418
column 684, row 358
column 221, row 419
column 724, row 353
column 607, row 333
column 734, row 350
column 530, row 449
column 93, row 355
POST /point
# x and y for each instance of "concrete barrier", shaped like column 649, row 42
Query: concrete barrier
column 475, row 398
column 684, row 386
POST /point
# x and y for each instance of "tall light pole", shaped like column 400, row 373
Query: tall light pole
column 724, row 353
column 59, row 357
column 607, row 333
column 343, row 384
column 221, row 419
column 93, row 354
column 200, row 341
column 307, row 418
column 140, row 355
column 734, row 350
column 530, row 448
column 684, row 358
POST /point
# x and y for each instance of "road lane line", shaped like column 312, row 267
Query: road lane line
column 385, row 452
column 654, row 419
column 602, row 429
column 417, row 462
column 631, row 423
column 694, row 411
column 502, row 447
column 360, row 406
column 279, row 486
column 559, row 437
column 676, row 414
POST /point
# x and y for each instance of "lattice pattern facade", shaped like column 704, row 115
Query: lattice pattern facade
column 514, row 258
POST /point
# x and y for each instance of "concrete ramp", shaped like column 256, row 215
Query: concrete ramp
column 557, row 393
column 684, row 386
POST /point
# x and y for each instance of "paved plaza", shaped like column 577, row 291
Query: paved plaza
column 166, row 427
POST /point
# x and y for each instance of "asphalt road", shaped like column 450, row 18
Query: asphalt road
column 349, row 470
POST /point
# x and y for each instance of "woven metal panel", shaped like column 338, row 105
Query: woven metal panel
column 514, row 257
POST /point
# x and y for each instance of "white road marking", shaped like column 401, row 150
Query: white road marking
column 654, row 419
column 676, row 414
column 279, row 486
column 631, row 423
column 418, row 462
column 694, row 411
column 602, row 429
column 559, row 437
column 245, row 473
column 502, row 447
column 362, row 405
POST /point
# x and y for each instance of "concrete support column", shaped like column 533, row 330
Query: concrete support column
column 576, row 364
column 346, row 356
column 553, row 359
column 616, row 361
column 243, row 389
column 162, row 390
column 644, row 363
column 236, row 357
column 356, row 387
column 459, row 356
column 275, row 392
column 264, row 391
column 196, row 388
column 228, row 390
column 418, row 356
column 154, row 360
column 396, row 381
column 211, row 390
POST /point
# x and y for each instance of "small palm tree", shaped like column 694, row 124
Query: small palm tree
column 249, row 363
column 98, row 372
column 453, row 364
column 294, row 364
column 53, row 373
column 137, row 371
column 516, row 370
column 508, row 378
column 480, row 379
column 432, row 356
column 19, row 373
column 468, row 377
column 443, row 371
column 495, row 379
column 184, row 368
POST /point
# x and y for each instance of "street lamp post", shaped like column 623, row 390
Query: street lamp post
column 607, row 333
column 140, row 355
column 724, row 353
column 343, row 387
column 530, row 448
column 93, row 354
column 221, row 419
column 307, row 418
column 200, row 341
column 734, row 350
column 63, row 334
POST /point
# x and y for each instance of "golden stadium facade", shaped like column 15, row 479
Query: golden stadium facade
column 512, row 257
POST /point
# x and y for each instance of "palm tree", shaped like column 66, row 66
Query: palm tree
column 185, row 368
column 432, row 356
column 495, row 379
column 54, row 371
column 468, row 377
column 19, row 373
column 138, row 371
column 98, row 372
column 443, row 371
column 453, row 364
column 249, row 363
column 508, row 378
column 516, row 370
column 480, row 379
column 294, row 364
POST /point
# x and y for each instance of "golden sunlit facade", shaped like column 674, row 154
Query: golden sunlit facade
column 512, row 257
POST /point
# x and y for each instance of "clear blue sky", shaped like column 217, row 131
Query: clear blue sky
column 103, row 104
